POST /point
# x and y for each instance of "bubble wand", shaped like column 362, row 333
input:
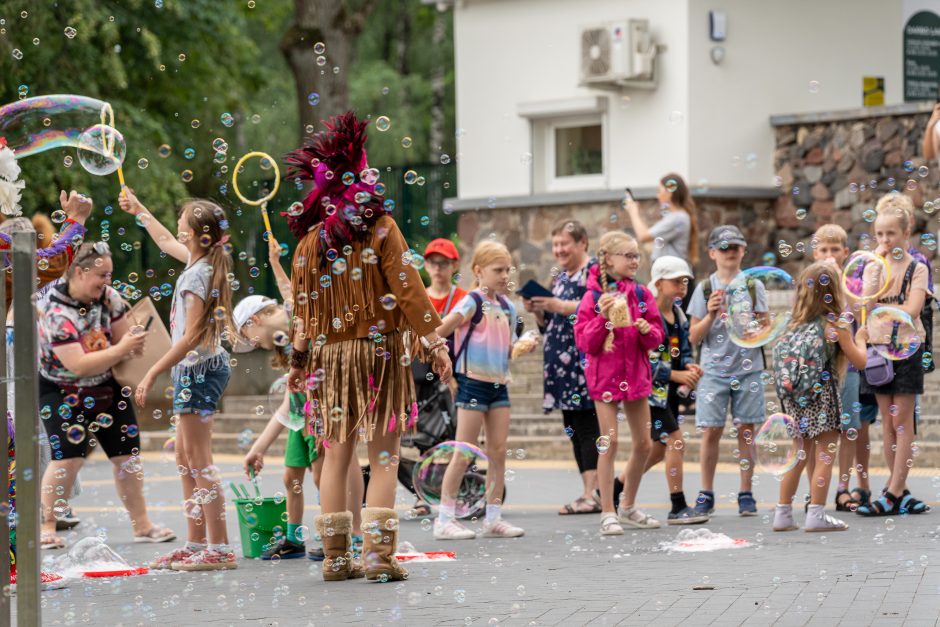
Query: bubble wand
column 853, row 277
column 261, row 202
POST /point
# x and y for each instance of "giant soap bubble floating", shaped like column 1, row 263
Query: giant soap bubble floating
column 760, row 303
column 263, row 201
column 35, row 125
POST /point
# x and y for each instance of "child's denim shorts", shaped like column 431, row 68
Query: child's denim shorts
column 200, row 393
column 480, row 395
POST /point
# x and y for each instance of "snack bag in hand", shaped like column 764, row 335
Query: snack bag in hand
column 526, row 344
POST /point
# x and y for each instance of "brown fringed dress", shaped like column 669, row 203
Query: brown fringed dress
column 364, row 323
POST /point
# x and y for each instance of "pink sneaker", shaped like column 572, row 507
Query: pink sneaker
column 502, row 529
column 165, row 562
column 206, row 560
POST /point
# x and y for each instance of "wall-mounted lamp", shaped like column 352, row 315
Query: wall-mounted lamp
column 717, row 54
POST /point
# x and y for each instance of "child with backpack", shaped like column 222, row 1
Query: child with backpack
column 675, row 374
column 732, row 374
column 809, row 364
column 485, row 325
column 830, row 243
column 618, row 325
column 896, row 384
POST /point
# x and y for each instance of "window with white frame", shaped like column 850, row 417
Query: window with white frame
column 572, row 153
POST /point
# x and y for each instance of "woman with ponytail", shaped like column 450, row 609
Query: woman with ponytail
column 200, row 317
column 676, row 232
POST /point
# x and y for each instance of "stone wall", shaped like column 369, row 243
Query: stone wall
column 834, row 167
column 527, row 231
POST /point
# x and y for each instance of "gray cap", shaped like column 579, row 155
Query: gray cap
column 726, row 235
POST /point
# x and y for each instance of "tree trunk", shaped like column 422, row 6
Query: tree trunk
column 402, row 37
column 438, row 85
column 333, row 24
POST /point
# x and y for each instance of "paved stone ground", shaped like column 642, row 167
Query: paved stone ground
column 561, row 572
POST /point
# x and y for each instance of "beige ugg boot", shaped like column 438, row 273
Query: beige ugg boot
column 380, row 541
column 336, row 532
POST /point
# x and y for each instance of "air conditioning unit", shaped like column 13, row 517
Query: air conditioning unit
column 618, row 54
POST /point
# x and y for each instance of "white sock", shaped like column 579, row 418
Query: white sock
column 194, row 546
column 492, row 513
column 447, row 513
column 220, row 548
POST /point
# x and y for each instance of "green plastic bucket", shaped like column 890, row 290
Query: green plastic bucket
column 257, row 519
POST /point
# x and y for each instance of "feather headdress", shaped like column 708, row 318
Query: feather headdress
column 343, row 195
column 10, row 185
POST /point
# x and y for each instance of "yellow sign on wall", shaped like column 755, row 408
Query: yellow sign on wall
column 873, row 91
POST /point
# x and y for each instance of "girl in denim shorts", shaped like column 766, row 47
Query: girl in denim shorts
column 484, row 321
column 201, row 314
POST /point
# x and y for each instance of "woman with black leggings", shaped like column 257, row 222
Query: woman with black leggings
column 565, row 387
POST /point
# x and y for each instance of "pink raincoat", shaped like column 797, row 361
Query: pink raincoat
column 625, row 371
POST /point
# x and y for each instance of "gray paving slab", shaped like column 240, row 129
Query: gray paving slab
column 561, row 573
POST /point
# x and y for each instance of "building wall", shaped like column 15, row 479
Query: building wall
column 512, row 52
column 705, row 121
column 774, row 51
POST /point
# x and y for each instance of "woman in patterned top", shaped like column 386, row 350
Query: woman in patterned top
column 84, row 332
column 565, row 387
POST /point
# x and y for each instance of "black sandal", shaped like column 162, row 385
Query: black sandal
column 862, row 495
column 911, row 505
column 884, row 505
column 848, row 505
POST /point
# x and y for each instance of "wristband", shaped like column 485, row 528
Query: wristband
column 438, row 343
column 299, row 359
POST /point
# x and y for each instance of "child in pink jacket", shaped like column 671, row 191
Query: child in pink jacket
column 618, row 324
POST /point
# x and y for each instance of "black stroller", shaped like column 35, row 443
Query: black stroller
column 437, row 423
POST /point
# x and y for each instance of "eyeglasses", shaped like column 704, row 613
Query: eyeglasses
column 627, row 256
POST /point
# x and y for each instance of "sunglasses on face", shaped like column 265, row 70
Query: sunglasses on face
column 730, row 248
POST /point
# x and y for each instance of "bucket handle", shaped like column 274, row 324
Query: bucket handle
column 234, row 488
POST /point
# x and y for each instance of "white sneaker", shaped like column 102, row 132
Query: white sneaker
column 452, row 530
column 783, row 518
column 818, row 520
column 610, row 525
column 502, row 529
column 635, row 518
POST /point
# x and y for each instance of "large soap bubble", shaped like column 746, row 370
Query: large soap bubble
column 760, row 303
column 34, row 125
column 779, row 445
column 101, row 149
column 892, row 332
column 428, row 476
column 865, row 276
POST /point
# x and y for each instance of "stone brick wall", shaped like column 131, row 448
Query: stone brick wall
column 834, row 167
column 527, row 231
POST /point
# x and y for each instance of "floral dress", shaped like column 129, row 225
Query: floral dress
column 565, row 385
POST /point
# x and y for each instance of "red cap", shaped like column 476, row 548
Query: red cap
column 443, row 247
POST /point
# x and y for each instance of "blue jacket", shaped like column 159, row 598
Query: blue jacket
column 661, row 362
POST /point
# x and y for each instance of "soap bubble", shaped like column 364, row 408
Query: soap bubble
column 760, row 303
column 865, row 276
column 779, row 445
column 428, row 476
column 891, row 332
column 75, row 434
column 101, row 149
column 382, row 123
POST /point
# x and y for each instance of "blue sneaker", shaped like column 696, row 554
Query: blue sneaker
column 705, row 503
column 747, row 506
column 284, row 549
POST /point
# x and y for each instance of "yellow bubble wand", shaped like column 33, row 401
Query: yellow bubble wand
column 864, row 299
column 107, row 119
column 261, row 202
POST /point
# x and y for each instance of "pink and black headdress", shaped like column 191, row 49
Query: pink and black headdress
column 344, row 196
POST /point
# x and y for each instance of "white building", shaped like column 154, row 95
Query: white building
column 532, row 133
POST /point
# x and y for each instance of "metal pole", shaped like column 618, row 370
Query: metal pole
column 4, row 472
column 26, row 417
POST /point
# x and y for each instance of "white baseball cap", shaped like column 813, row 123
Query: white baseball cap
column 668, row 267
column 242, row 313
